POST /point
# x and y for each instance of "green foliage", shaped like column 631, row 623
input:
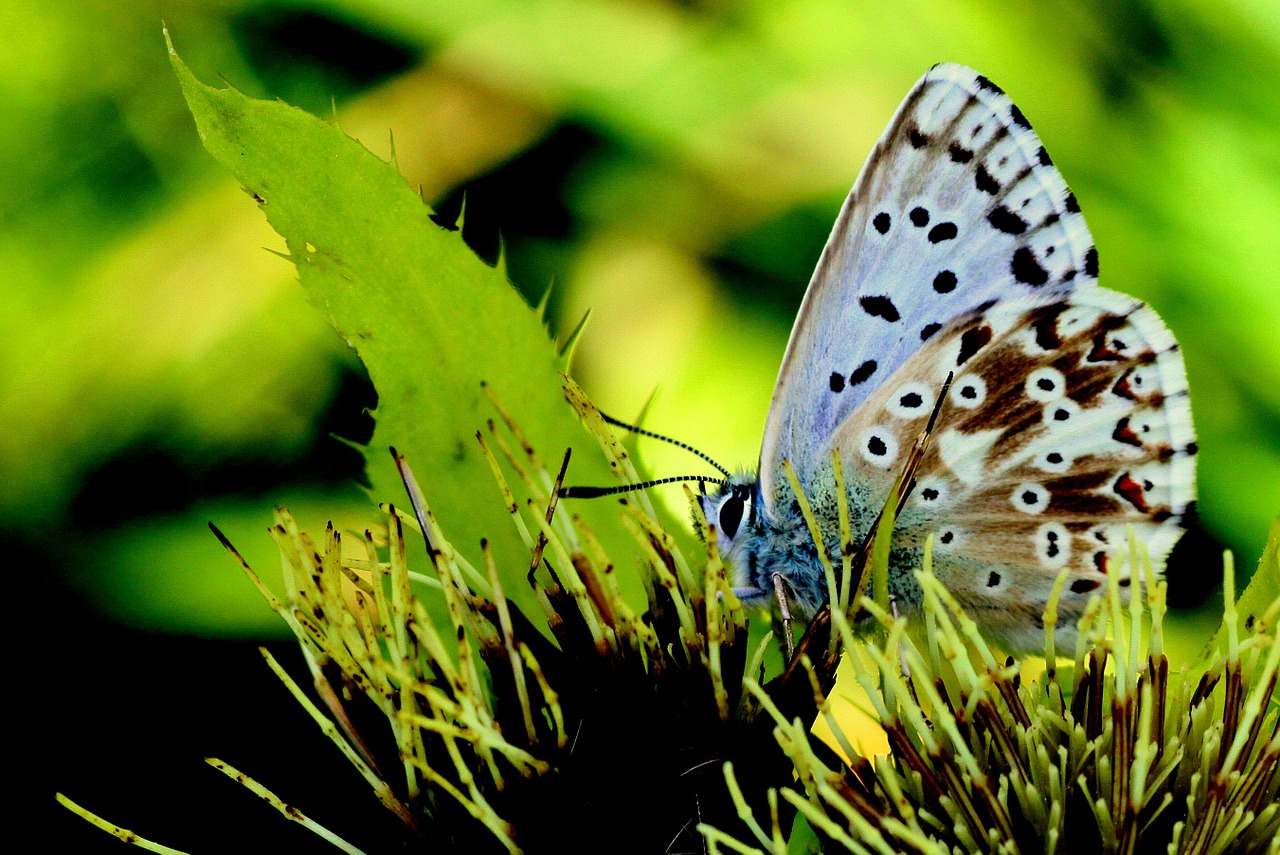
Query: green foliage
column 691, row 158
column 610, row 739
column 478, row 735
column 438, row 330
column 1261, row 594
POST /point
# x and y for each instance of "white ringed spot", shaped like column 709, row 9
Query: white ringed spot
column 949, row 538
column 911, row 400
column 1030, row 498
column 1054, row 460
column 1046, row 384
column 878, row 446
column 994, row 582
column 968, row 391
column 1061, row 413
column 932, row 491
column 1053, row 545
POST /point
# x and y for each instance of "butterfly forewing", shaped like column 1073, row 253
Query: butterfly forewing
column 957, row 205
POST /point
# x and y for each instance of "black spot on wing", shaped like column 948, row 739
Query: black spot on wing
column 917, row 139
column 880, row 307
column 1047, row 331
column 837, row 382
column 944, row 282
column 1043, row 156
column 862, row 372
column 960, row 154
column 919, row 217
column 1071, row 204
column 882, row 222
column 1002, row 219
column 1018, row 119
column 928, row 330
column 1026, row 268
column 971, row 341
column 942, row 231
column 1091, row 262
column 1051, row 547
column 984, row 182
column 984, row 83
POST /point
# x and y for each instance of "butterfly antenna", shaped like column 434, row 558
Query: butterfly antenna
column 937, row 406
column 908, row 482
column 639, row 431
column 597, row 492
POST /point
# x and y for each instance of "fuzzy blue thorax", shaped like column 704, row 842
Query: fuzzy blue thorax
column 756, row 542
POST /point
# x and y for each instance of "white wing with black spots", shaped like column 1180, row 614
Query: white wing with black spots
column 957, row 206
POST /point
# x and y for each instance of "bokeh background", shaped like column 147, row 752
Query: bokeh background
column 673, row 167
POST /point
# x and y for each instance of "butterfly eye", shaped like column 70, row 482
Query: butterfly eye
column 730, row 514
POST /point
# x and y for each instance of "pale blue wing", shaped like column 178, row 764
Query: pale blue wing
column 957, row 206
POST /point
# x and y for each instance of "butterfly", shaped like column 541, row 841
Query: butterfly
column 961, row 253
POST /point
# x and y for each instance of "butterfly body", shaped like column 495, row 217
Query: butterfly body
column 961, row 252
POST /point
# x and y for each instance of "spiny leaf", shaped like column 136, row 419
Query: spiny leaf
column 1260, row 597
column 429, row 319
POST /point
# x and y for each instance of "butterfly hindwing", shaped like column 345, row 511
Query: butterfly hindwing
column 957, row 205
column 1067, row 424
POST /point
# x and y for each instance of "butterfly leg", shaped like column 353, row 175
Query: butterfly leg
column 784, row 610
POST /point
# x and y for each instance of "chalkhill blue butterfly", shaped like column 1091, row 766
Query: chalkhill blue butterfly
column 961, row 266
column 960, row 252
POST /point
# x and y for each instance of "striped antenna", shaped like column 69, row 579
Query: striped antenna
column 677, row 443
column 597, row 492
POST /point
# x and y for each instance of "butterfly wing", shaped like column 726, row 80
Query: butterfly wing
column 958, row 205
column 1068, row 422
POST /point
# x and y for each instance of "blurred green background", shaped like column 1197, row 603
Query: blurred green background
column 674, row 167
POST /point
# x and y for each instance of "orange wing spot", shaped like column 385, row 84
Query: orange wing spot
column 1122, row 387
column 1101, row 350
column 1132, row 491
column 1124, row 433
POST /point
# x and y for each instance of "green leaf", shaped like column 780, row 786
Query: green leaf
column 1263, row 589
column 1260, row 599
column 429, row 319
